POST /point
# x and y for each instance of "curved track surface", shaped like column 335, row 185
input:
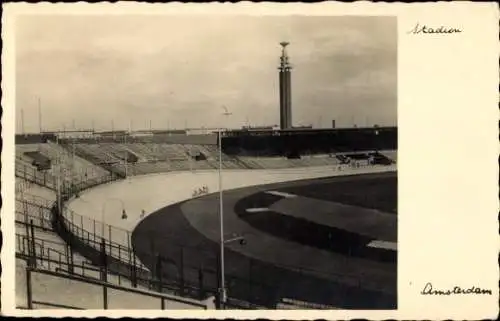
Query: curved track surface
column 305, row 240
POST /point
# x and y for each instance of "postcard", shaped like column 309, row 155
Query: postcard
column 250, row 160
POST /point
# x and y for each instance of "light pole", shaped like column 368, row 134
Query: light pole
column 221, row 218
column 103, row 214
column 221, row 215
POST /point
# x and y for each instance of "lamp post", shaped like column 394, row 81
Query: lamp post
column 221, row 216
column 224, row 241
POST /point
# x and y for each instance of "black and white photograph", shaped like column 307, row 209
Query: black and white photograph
column 240, row 162
column 207, row 162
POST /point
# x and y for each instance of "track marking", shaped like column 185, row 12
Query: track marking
column 257, row 210
column 282, row 194
column 384, row 245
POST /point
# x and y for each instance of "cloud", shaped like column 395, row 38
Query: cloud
column 177, row 68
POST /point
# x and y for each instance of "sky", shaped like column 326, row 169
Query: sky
column 172, row 71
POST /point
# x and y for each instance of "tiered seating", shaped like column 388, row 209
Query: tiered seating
column 152, row 158
column 282, row 162
column 181, row 165
column 194, row 150
column 81, row 168
column 143, row 151
column 319, row 160
column 203, row 165
column 212, row 159
column 22, row 161
column 250, row 163
column 116, row 151
column 21, row 149
column 145, row 168
column 73, row 169
column 213, row 151
column 174, row 156
column 162, row 157
column 228, row 162
column 156, row 167
column 98, row 151
column 266, row 162
column 172, row 152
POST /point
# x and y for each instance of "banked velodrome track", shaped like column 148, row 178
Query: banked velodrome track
column 361, row 279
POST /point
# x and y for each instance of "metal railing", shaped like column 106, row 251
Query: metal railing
column 43, row 258
column 164, row 300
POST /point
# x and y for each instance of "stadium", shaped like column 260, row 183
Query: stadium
column 309, row 220
column 277, row 217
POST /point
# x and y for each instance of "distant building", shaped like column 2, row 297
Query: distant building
column 260, row 128
column 141, row 133
column 302, row 127
column 113, row 133
column 170, row 132
column 201, row 131
column 72, row 134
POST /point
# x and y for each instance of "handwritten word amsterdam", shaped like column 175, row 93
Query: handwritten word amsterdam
column 421, row 29
column 429, row 290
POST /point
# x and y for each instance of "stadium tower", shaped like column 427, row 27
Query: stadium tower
column 285, row 89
